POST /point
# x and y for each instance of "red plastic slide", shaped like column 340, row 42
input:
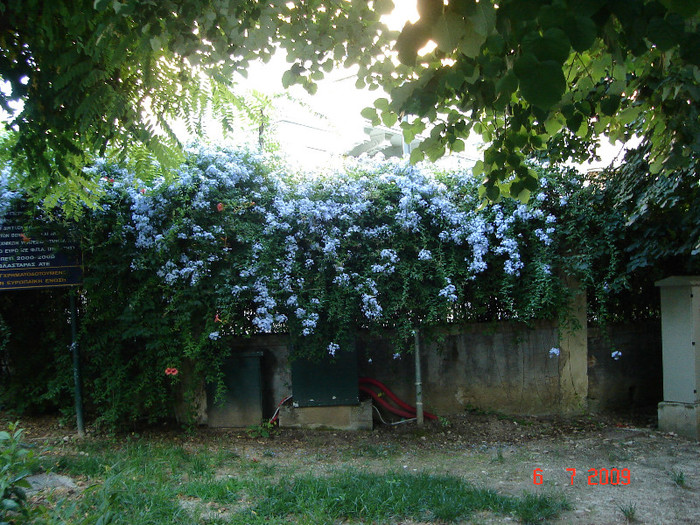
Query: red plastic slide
column 405, row 409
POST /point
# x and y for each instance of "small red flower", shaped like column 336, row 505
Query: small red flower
column 143, row 190
column 217, row 319
column 111, row 180
column 24, row 237
column 171, row 371
column 220, row 206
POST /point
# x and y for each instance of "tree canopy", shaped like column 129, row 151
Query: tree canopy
column 533, row 77
column 95, row 77
column 548, row 77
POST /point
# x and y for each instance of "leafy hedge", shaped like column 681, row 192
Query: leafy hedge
column 234, row 245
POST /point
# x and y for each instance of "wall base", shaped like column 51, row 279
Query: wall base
column 681, row 418
column 353, row 417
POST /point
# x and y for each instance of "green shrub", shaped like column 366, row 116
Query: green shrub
column 16, row 463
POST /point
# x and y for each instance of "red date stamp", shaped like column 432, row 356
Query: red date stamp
column 596, row 476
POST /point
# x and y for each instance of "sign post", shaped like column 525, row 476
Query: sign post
column 26, row 263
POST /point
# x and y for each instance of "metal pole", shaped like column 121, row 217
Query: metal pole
column 77, row 378
column 419, row 382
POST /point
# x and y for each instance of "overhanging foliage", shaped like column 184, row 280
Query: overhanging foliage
column 236, row 245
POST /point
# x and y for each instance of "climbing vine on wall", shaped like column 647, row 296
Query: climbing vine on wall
column 234, row 244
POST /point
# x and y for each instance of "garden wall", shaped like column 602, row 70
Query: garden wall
column 494, row 366
column 634, row 381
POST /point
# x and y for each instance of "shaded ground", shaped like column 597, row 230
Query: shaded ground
column 489, row 450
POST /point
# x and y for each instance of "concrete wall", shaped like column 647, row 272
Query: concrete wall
column 276, row 371
column 633, row 381
column 500, row 366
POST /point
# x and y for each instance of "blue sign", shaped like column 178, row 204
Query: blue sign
column 35, row 263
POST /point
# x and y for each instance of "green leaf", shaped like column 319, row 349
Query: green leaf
column 471, row 42
column 610, row 104
column 288, row 78
column 629, row 115
column 389, row 118
column 457, row 145
column 383, row 6
column 478, row 168
column 662, row 34
column 99, row 5
column 485, row 18
column 553, row 45
column 382, row 104
column 554, row 124
column 454, row 80
column 448, row 31
column 156, row 44
column 410, row 40
column 686, row 8
column 508, row 84
column 542, row 84
column 416, row 156
column 311, row 87
column 690, row 50
column 369, row 114
column 10, row 504
column 574, row 122
column 581, row 31
column 493, row 192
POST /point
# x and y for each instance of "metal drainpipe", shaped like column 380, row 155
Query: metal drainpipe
column 77, row 378
column 419, row 382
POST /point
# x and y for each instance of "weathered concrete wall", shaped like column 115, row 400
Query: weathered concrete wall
column 339, row 417
column 276, row 371
column 573, row 357
column 633, row 381
column 503, row 367
column 500, row 366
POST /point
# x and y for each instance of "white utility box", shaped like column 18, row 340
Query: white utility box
column 679, row 412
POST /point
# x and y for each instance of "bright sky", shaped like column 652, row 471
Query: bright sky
column 310, row 141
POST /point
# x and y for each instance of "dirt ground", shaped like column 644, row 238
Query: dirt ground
column 489, row 450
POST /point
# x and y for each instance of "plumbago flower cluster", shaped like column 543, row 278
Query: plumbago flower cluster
column 379, row 246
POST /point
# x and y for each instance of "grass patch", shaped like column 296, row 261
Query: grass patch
column 629, row 512
column 223, row 491
column 157, row 484
column 678, row 477
column 353, row 495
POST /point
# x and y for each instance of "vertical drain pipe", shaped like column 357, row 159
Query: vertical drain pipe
column 419, row 382
column 77, row 378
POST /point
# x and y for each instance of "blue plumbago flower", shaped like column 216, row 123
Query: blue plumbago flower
column 329, row 233
column 554, row 352
column 449, row 291
column 386, row 269
column 333, row 348
column 342, row 279
column 370, row 307
column 214, row 336
column 424, row 255
column 616, row 355
column 389, row 254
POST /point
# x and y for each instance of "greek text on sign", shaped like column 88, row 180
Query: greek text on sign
column 31, row 263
